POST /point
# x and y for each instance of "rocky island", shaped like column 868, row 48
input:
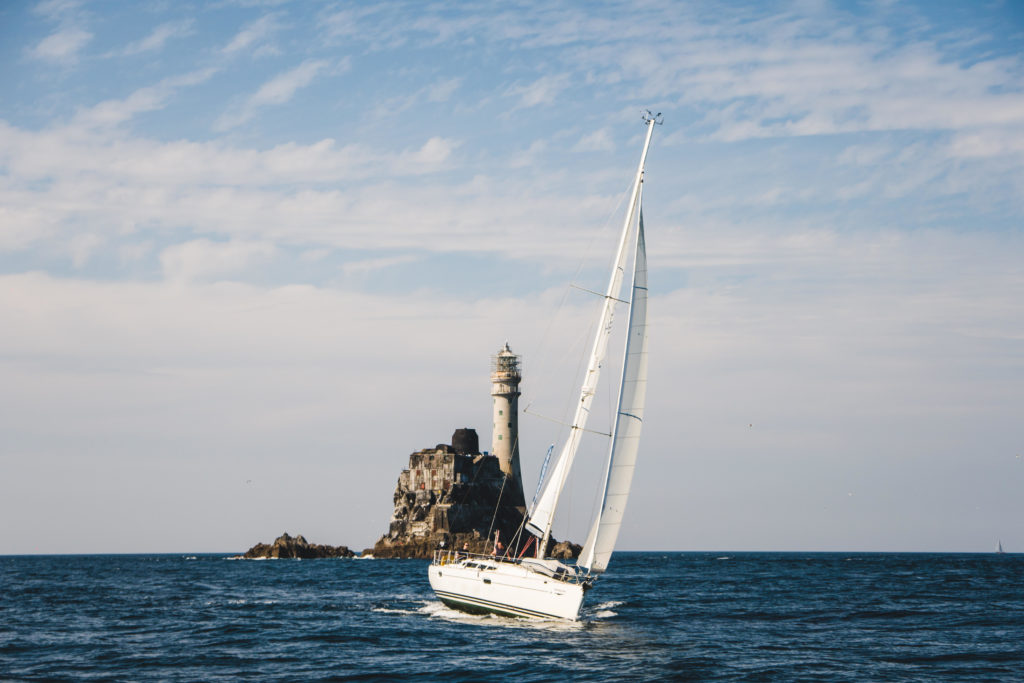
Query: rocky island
column 288, row 547
column 452, row 496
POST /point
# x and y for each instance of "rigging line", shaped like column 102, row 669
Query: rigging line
column 465, row 491
column 527, row 411
column 522, row 523
column 603, row 296
column 541, row 350
column 497, row 507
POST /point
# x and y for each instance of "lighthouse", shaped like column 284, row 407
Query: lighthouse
column 505, row 377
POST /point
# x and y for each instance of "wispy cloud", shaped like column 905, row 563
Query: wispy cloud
column 150, row 98
column 436, row 92
column 160, row 35
column 367, row 266
column 433, row 153
column 598, row 141
column 62, row 46
column 277, row 90
column 255, row 33
column 544, row 90
column 58, row 10
column 205, row 260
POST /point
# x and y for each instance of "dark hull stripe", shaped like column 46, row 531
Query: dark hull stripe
column 468, row 604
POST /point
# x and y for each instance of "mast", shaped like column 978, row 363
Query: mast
column 542, row 516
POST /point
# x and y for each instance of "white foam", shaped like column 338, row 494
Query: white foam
column 389, row 610
column 437, row 609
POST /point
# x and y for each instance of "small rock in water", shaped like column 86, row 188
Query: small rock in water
column 287, row 547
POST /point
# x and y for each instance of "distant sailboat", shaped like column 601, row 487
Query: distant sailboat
column 999, row 547
column 544, row 587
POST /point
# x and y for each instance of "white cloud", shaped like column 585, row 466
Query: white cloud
column 62, row 46
column 82, row 247
column 57, row 9
column 544, row 90
column 598, row 141
column 281, row 88
column 277, row 90
column 254, row 33
column 205, row 260
column 529, row 156
column 159, row 36
column 150, row 98
column 366, row 266
column 988, row 142
column 434, row 152
column 442, row 90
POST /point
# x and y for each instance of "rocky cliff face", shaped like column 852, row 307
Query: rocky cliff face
column 453, row 498
column 287, row 547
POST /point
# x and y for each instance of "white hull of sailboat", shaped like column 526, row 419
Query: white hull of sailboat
column 505, row 588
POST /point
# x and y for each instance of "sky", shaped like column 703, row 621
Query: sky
column 253, row 254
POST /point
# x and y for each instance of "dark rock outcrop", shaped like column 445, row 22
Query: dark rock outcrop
column 450, row 498
column 566, row 550
column 288, row 547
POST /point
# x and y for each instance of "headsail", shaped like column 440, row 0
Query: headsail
column 542, row 516
column 628, row 422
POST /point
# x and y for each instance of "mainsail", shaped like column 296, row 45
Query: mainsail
column 542, row 516
column 628, row 422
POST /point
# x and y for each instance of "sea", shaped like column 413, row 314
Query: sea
column 654, row 616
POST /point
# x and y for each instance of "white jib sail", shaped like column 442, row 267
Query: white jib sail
column 628, row 423
column 542, row 516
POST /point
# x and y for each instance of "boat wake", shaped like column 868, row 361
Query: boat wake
column 393, row 610
column 435, row 609
column 603, row 610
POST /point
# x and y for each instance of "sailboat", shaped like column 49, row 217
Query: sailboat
column 999, row 547
column 544, row 587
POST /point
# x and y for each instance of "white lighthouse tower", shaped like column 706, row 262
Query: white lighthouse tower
column 505, row 378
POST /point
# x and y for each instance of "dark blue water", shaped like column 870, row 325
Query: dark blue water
column 654, row 616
